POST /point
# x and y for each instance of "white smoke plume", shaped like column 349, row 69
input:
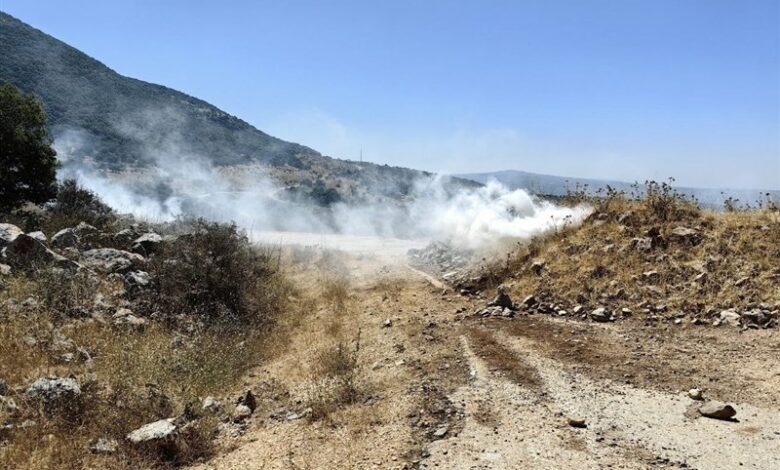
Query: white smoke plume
column 182, row 183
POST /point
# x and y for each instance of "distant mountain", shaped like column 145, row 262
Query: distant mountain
column 559, row 185
column 117, row 123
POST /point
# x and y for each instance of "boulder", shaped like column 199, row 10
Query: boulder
column 147, row 243
column 137, row 280
column 8, row 233
column 717, row 410
column 157, row 431
column 25, row 252
column 111, row 260
column 125, row 237
column 65, row 238
column 54, row 390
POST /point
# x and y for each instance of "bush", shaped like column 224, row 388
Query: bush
column 215, row 274
column 75, row 204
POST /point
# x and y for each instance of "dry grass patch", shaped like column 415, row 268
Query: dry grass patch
column 730, row 259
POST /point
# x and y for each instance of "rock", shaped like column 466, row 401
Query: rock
column 111, row 260
column 3, row 387
column 537, row 267
column 5, row 270
column 9, row 405
column 137, row 280
column 729, row 317
column 387, row 323
column 84, row 228
column 755, row 316
column 577, row 422
column 441, row 431
column 695, row 394
column 161, row 430
column 241, row 413
column 8, row 233
column 502, row 300
column 54, row 390
column 642, row 244
column 104, row 446
column 685, row 235
column 248, row 399
column 212, row 405
column 529, row 301
column 65, row 238
column 577, row 309
column 38, row 235
column 27, row 252
column 600, row 315
column 717, row 410
column 147, row 244
column 651, row 275
column 125, row 237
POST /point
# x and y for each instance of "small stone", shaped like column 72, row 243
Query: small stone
column 441, row 432
column 600, row 315
column 248, row 399
column 387, row 323
column 104, row 446
column 577, row 422
column 212, row 405
column 241, row 413
column 695, row 394
column 717, row 410
column 729, row 317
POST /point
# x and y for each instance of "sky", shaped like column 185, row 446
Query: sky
column 617, row 89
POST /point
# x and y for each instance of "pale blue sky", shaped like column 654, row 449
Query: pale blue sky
column 622, row 89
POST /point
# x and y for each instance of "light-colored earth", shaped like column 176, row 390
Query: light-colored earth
column 435, row 396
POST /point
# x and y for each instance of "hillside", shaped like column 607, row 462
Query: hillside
column 558, row 186
column 122, row 124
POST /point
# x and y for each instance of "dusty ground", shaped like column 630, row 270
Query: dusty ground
column 440, row 390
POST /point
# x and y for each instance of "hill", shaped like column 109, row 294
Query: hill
column 123, row 124
column 559, row 185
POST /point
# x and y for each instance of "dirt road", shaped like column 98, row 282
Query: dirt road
column 441, row 389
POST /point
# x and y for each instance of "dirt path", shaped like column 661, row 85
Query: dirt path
column 442, row 391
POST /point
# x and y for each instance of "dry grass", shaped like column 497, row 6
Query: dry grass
column 130, row 377
column 734, row 262
column 337, row 379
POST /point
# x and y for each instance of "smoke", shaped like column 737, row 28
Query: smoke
column 183, row 183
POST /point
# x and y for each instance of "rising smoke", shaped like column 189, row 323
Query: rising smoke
column 182, row 183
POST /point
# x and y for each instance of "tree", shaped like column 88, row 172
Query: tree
column 28, row 163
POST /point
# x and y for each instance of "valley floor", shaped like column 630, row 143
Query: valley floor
column 440, row 388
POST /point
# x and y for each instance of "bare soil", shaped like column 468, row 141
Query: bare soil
column 440, row 389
